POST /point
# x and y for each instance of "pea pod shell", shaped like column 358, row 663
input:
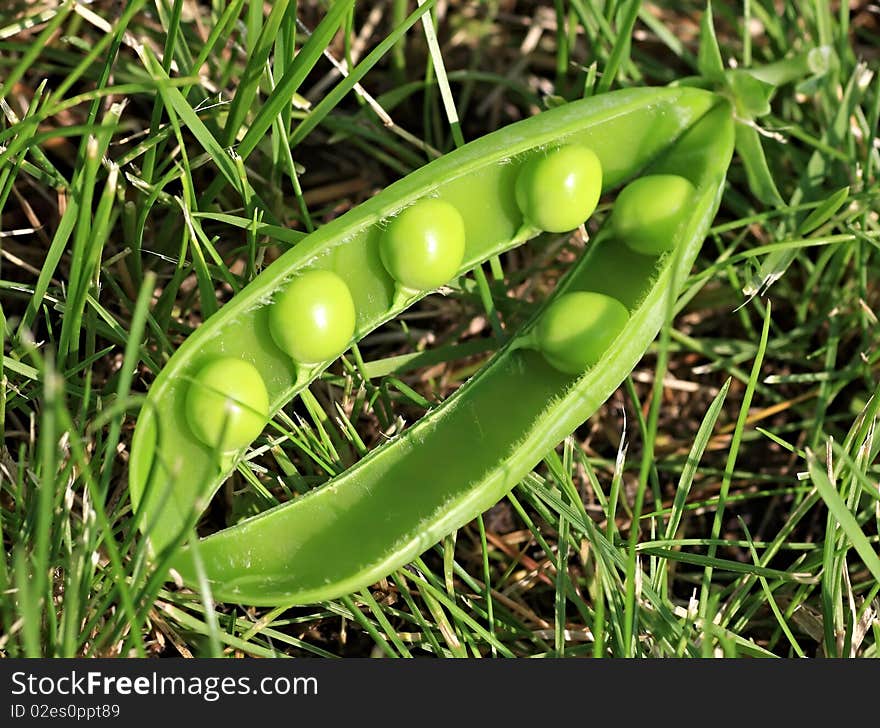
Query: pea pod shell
column 172, row 474
column 463, row 456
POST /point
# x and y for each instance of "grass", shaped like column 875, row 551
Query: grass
column 152, row 161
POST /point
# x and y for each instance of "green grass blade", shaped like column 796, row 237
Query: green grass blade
column 622, row 43
column 844, row 517
column 731, row 459
column 248, row 85
column 289, row 84
column 332, row 99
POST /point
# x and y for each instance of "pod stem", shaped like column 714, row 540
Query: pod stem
column 526, row 232
column 227, row 460
column 403, row 296
column 527, row 340
column 304, row 375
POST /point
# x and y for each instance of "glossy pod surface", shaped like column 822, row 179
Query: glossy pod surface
column 173, row 473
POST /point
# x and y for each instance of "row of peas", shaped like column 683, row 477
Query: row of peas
column 422, row 248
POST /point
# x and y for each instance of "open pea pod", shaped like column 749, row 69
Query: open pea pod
column 465, row 454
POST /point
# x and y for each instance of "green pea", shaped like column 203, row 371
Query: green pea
column 577, row 329
column 422, row 248
column 313, row 319
column 227, row 405
column 648, row 211
column 559, row 190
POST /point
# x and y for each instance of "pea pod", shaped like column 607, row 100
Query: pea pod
column 383, row 511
